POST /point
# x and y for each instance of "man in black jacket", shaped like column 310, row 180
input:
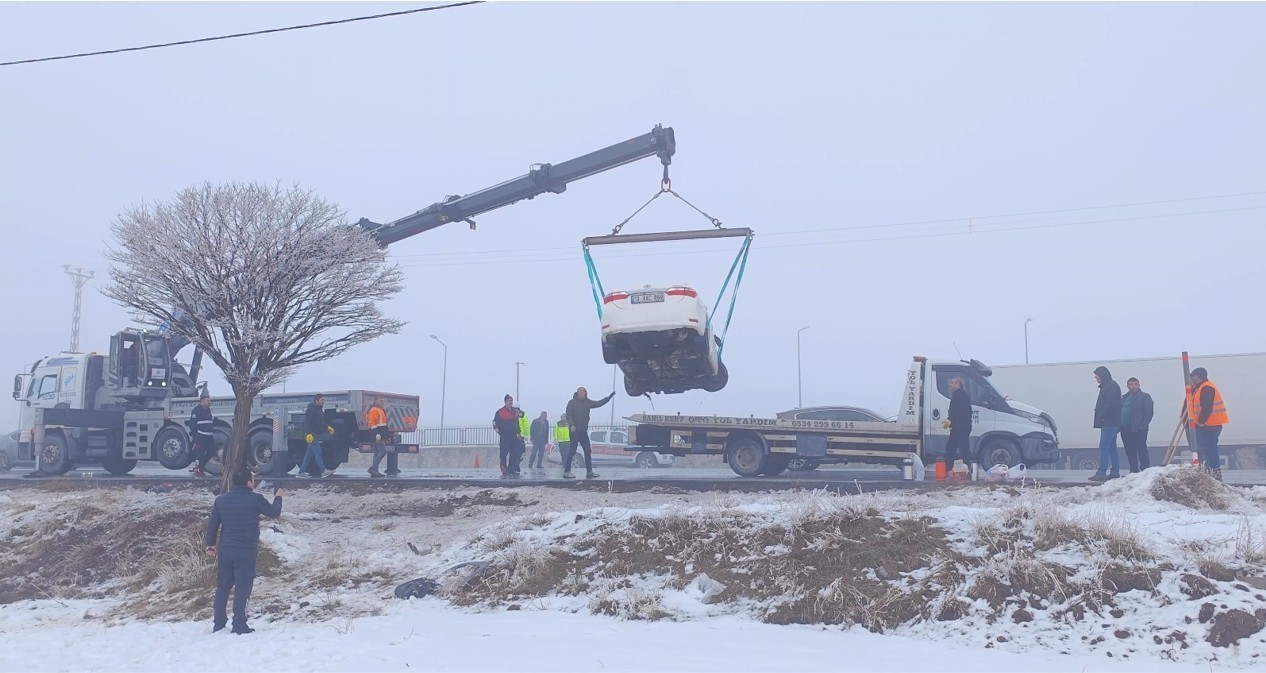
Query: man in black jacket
column 1108, row 420
column 203, row 434
column 1137, row 410
column 314, row 424
column 235, row 520
column 578, row 416
column 958, row 420
column 540, row 437
column 506, row 422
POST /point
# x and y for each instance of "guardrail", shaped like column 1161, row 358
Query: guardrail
column 478, row 435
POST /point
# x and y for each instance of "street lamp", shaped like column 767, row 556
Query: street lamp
column 444, row 382
column 799, row 378
column 516, row 383
column 1026, row 339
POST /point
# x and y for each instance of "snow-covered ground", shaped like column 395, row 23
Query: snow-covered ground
column 324, row 599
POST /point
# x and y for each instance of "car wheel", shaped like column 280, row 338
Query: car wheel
column 172, row 448
column 803, row 465
column 716, row 383
column 632, row 388
column 1000, row 450
column 646, row 460
column 55, row 456
column 747, row 456
column 119, row 466
column 6, row 463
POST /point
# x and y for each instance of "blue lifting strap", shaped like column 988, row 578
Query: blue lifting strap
column 740, row 263
column 595, row 283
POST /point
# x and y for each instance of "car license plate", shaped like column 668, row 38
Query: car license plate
column 646, row 297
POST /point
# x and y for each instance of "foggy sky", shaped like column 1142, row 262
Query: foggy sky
column 827, row 128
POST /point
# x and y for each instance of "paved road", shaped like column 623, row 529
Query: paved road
column 611, row 479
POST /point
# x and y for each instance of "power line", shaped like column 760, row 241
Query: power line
column 975, row 221
column 248, row 34
column 977, row 230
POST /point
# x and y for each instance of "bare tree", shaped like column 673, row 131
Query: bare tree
column 266, row 279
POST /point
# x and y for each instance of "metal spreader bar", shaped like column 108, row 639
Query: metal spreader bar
column 667, row 236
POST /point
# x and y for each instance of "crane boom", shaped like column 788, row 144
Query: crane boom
column 541, row 178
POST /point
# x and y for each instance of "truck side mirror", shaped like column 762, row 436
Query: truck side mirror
column 17, row 387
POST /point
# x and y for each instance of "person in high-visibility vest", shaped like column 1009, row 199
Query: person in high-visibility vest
column 525, row 428
column 1206, row 409
column 562, row 439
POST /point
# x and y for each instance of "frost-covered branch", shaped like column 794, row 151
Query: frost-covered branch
column 267, row 278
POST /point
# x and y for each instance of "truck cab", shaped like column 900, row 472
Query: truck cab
column 1002, row 431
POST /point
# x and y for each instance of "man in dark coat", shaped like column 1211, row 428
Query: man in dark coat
column 958, row 420
column 540, row 438
column 506, row 422
column 1108, row 420
column 235, row 521
column 1137, row 410
column 578, row 416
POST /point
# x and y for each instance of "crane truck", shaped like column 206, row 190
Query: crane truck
column 130, row 404
column 1003, row 430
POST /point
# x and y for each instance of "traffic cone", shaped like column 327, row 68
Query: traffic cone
column 476, row 461
column 940, row 470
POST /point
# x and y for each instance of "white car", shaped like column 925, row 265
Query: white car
column 662, row 341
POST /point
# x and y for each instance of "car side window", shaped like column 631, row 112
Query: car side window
column 815, row 415
column 598, row 436
column 618, row 437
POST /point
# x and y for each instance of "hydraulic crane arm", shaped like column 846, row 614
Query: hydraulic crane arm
column 541, row 178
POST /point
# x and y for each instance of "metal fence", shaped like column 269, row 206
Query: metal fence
column 484, row 435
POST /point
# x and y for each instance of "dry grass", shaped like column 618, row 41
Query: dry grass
column 1191, row 487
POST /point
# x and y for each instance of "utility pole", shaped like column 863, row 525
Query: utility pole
column 80, row 278
column 516, row 383
column 1026, row 339
column 613, row 371
column 444, row 381
column 799, row 378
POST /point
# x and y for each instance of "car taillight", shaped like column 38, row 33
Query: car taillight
column 615, row 296
column 681, row 292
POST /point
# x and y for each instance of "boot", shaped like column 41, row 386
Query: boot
column 1098, row 476
column 1217, row 473
column 375, row 473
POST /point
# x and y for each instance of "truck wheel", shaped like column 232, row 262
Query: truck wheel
column 172, row 448
column 776, row 465
column 119, row 466
column 632, row 388
column 803, row 465
column 646, row 461
column 747, row 456
column 1086, row 460
column 260, row 455
column 714, row 384
column 220, row 435
column 1000, row 450
column 55, row 456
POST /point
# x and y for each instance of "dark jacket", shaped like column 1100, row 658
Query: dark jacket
column 960, row 409
column 578, row 410
column 506, row 421
column 235, row 518
column 540, row 431
column 1108, row 406
column 203, row 421
column 314, row 419
column 1141, row 410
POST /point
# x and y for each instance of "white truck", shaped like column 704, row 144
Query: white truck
column 1003, row 431
column 1067, row 391
column 135, row 404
